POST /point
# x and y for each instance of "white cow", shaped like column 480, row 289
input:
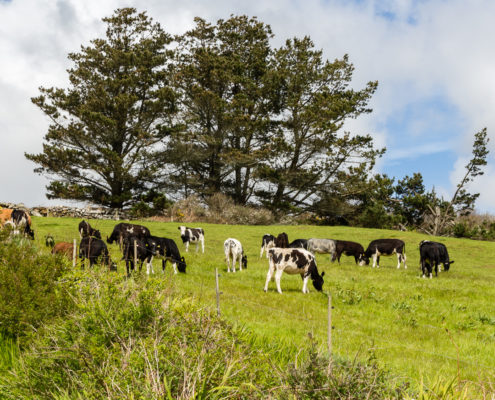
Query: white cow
column 293, row 261
column 193, row 235
column 233, row 249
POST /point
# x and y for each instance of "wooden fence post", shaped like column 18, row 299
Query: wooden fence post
column 74, row 248
column 218, row 292
column 135, row 254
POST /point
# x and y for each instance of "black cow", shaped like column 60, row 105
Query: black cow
column 293, row 261
column 192, row 235
column 85, row 229
column 349, row 249
column 94, row 249
column 145, row 249
column 167, row 250
column 433, row 253
column 299, row 243
column 123, row 230
column 267, row 242
column 384, row 247
column 282, row 241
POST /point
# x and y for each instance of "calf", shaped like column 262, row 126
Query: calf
column 192, row 235
column 433, row 253
column 322, row 246
column 267, row 242
column 384, row 247
column 167, row 250
column 85, row 229
column 64, row 248
column 49, row 241
column 94, row 249
column 293, row 261
column 136, row 248
column 233, row 249
column 348, row 249
column 299, row 243
column 123, row 230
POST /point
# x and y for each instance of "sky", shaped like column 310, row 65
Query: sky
column 434, row 61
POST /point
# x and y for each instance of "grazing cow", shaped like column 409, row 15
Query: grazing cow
column 123, row 230
column 92, row 249
column 49, row 241
column 145, row 250
column 349, row 249
column 267, row 242
column 233, row 249
column 293, row 261
column 64, row 248
column 322, row 246
column 192, row 235
column 282, row 241
column 167, row 250
column 18, row 219
column 433, row 253
column 85, row 229
column 384, row 247
column 299, row 243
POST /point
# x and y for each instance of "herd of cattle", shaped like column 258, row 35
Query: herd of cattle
column 296, row 257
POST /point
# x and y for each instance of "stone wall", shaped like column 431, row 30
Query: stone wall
column 90, row 212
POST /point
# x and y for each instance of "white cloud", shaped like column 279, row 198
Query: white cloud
column 417, row 51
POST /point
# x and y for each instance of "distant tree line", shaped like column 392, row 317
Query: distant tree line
column 150, row 118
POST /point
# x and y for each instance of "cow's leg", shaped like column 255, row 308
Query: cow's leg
column 305, row 284
column 197, row 246
column 149, row 265
column 234, row 260
column 187, row 246
column 268, row 276
column 240, row 261
column 175, row 267
column 261, row 251
column 374, row 260
column 278, row 275
column 228, row 262
column 203, row 245
column 334, row 257
column 399, row 258
column 164, row 264
column 404, row 260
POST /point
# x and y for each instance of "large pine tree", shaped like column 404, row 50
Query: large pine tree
column 104, row 140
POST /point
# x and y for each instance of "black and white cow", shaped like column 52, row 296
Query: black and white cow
column 85, row 229
column 349, row 249
column 267, row 243
column 321, row 246
column 299, row 243
column 122, row 230
column 293, row 261
column 233, row 249
column 21, row 222
column 139, row 248
column 94, row 249
column 192, row 235
column 432, row 254
column 167, row 250
column 384, row 247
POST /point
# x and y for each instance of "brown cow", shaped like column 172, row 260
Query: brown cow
column 17, row 219
column 65, row 249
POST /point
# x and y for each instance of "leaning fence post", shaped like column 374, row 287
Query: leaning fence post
column 218, row 292
column 135, row 254
column 74, row 247
column 329, row 328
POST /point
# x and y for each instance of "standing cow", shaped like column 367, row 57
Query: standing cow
column 349, row 249
column 137, row 249
column 385, row 247
column 192, row 235
column 19, row 220
column 167, row 250
column 267, row 243
column 293, row 261
column 95, row 249
column 123, row 230
column 85, row 229
column 321, row 246
column 233, row 249
column 432, row 254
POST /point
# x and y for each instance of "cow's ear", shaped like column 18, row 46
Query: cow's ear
column 323, row 273
column 451, row 262
column 178, row 228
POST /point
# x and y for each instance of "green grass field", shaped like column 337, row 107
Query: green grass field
column 418, row 328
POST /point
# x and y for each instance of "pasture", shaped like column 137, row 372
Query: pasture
column 418, row 328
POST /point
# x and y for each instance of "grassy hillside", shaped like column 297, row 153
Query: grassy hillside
column 442, row 327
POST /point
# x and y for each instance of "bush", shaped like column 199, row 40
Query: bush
column 29, row 292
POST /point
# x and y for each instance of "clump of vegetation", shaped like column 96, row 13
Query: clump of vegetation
column 30, row 291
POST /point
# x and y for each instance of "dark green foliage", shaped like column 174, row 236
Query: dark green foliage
column 104, row 142
column 317, row 378
column 30, row 293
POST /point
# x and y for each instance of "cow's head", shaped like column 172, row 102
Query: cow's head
column 318, row 281
column 363, row 260
column 446, row 266
column 244, row 261
column 113, row 266
column 30, row 233
column 182, row 230
column 97, row 234
column 109, row 240
column 181, row 265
